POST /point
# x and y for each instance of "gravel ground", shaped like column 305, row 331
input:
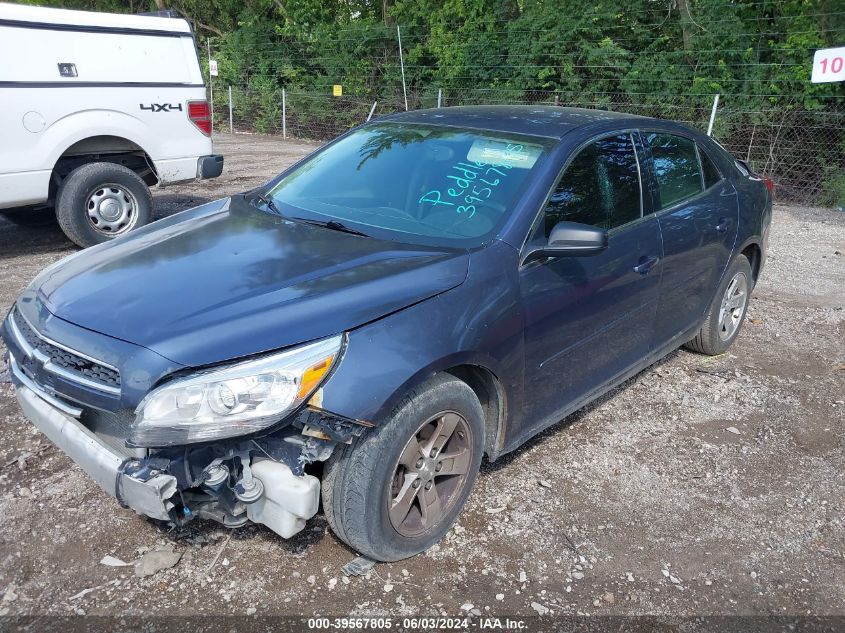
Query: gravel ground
column 702, row 486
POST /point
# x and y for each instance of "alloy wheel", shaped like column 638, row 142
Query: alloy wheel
column 733, row 306
column 430, row 474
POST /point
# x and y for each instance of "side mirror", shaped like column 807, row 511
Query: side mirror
column 571, row 239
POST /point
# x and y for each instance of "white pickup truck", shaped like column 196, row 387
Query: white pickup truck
column 96, row 107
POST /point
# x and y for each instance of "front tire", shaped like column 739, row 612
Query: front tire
column 727, row 312
column 396, row 490
column 98, row 202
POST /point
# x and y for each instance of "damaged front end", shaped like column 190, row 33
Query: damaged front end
column 229, row 442
column 261, row 479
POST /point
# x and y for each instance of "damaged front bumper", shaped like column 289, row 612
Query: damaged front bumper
column 264, row 486
column 86, row 407
column 152, row 497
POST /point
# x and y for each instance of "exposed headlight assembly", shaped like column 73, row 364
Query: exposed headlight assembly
column 235, row 400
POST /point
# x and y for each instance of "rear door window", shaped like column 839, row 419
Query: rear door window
column 676, row 168
column 600, row 187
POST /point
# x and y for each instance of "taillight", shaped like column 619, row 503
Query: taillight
column 200, row 115
column 769, row 185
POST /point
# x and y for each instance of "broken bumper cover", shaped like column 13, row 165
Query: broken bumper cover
column 98, row 460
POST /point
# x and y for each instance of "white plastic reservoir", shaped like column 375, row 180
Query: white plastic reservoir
column 288, row 500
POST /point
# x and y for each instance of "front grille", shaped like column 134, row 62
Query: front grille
column 72, row 363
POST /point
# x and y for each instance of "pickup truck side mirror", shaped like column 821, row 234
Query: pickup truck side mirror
column 571, row 239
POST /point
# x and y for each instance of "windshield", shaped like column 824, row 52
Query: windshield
column 415, row 183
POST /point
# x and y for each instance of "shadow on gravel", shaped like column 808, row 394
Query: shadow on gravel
column 202, row 533
column 170, row 203
column 505, row 460
column 32, row 240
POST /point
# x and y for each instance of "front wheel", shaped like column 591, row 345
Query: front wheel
column 397, row 490
column 98, row 202
column 727, row 312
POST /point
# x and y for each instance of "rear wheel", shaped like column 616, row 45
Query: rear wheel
column 98, row 202
column 398, row 489
column 727, row 312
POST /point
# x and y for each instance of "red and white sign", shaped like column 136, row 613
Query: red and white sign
column 828, row 65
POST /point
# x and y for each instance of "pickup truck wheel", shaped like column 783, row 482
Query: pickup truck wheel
column 98, row 202
column 396, row 490
column 727, row 312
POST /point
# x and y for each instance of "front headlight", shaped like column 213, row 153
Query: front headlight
column 235, row 400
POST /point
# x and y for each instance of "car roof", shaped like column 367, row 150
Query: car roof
column 536, row 120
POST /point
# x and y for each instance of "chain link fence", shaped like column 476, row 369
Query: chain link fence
column 802, row 151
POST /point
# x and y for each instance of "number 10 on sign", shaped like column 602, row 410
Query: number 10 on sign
column 829, row 65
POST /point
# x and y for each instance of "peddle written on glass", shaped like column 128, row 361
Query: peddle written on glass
column 476, row 180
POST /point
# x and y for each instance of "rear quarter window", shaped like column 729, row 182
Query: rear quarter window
column 676, row 167
column 708, row 169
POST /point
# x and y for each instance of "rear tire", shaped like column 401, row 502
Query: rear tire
column 98, row 202
column 407, row 462
column 727, row 312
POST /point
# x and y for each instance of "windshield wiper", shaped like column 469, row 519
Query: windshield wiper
column 267, row 201
column 334, row 225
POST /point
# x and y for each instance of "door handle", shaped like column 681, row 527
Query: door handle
column 723, row 225
column 646, row 264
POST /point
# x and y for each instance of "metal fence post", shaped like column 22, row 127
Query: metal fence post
column 402, row 66
column 210, row 83
column 751, row 144
column 439, row 97
column 372, row 110
column 231, row 120
column 284, row 116
column 713, row 115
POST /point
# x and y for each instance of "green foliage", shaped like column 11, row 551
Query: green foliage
column 647, row 52
column 663, row 58
column 834, row 188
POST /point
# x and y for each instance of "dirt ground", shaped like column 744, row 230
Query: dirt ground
column 702, row 486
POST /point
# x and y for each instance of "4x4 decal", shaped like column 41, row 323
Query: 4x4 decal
column 162, row 107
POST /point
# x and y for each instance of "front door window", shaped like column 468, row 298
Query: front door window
column 601, row 186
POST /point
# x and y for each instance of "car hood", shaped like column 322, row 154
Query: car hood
column 227, row 280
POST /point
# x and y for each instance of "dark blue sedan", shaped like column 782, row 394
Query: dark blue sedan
column 427, row 289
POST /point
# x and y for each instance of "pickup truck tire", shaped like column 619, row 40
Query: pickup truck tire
column 30, row 216
column 427, row 452
column 98, row 202
column 727, row 312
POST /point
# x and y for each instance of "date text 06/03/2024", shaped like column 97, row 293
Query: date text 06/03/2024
column 417, row 624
